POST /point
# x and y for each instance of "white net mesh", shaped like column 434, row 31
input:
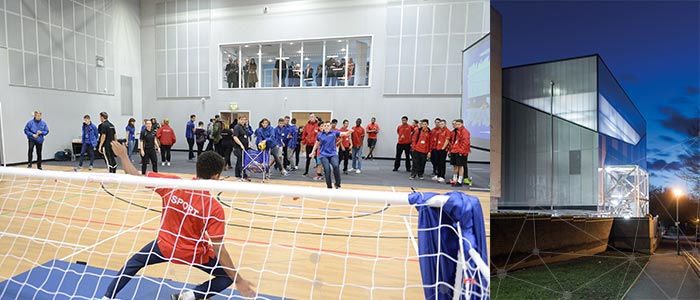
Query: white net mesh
column 65, row 235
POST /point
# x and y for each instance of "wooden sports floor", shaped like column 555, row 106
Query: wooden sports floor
column 340, row 250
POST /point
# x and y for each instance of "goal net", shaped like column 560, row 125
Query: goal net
column 65, row 236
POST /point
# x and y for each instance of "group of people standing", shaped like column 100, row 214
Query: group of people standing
column 248, row 73
column 419, row 144
column 284, row 74
column 321, row 140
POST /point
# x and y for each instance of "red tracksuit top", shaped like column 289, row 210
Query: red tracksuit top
column 461, row 141
column 421, row 141
column 404, row 131
column 308, row 136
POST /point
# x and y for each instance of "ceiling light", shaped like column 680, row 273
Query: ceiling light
column 340, row 41
column 299, row 51
column 246, row 46
column 269, row 60
column 291, row 43
column 342, row 50
column 306, row 58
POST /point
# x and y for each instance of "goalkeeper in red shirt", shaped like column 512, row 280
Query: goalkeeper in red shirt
column 190, row 219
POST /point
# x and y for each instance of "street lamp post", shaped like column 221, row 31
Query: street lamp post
column 678, row 192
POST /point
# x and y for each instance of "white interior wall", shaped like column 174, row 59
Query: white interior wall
column 63, row 110
column 244, row 21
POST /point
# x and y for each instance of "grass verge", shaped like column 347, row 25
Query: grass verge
column 604, row 276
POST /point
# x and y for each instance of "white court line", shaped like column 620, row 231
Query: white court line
column 31, row 238
column 410, row 233
column 112, row 237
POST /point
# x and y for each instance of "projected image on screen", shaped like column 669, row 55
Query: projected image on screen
column 476, row 92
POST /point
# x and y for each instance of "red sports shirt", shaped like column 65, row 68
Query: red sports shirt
column 441, row 137
column 405, row 132
column 344, row 140
column 370, row 126
column 358, row 136
column 189, row 219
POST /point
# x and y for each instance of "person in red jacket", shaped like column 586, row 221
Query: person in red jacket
column 372, row 131
column 166, row 137
column 345, row 146
column 358, row 136
column 461, row 146
column 403, row 145
column 440, row 145
column 308, row 138
column 433, row 140
column 421, row 150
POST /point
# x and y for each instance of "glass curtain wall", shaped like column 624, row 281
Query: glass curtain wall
column 338, row 62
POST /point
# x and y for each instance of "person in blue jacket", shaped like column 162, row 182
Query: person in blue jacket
column 290, row 144
column 326, row 143
column 35, row 130
column 267, row 134
column 89, row 141
column 280, row 135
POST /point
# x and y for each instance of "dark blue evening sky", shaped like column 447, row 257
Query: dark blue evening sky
column 652, row 47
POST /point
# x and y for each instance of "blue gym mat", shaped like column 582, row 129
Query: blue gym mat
column 58, row 280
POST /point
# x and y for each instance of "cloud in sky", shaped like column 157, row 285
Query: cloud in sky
column 629, row 78
column 693, row 90
column 677, row 122
column 662, row 165
column 667, row 138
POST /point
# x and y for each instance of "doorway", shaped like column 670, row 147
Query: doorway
column 302, row 116
column 228, row 116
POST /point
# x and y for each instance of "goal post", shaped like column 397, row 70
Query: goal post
column 66, row 233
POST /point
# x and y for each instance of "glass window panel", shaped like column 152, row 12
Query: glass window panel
column 250, row 69
column 359, row 61
column 268, row 55
column 231, row 67
column 313, row 64
column 335, row 62
column 290, row 69
column 573, row 96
